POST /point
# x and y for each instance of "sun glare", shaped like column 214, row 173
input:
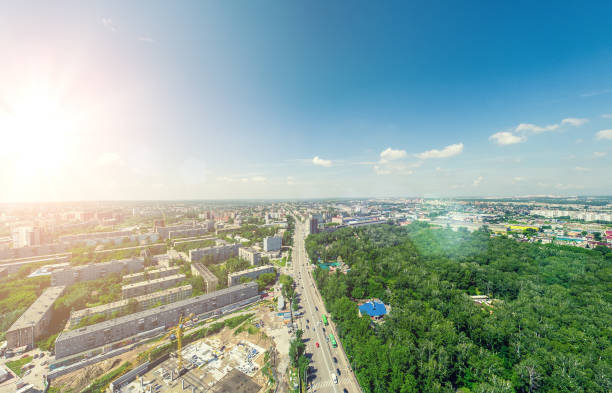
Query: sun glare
column 37, row 132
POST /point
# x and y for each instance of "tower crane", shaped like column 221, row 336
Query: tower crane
column 177, row 331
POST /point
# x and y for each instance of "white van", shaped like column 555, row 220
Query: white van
column 334, row 378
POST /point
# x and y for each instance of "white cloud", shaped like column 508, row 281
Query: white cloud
column 599, row 154
column 519, row 133
column 477, row 181
column 517, row 179
column 391, row 161
column 146, row 39
column 108, row 23
column 290, row 180
column 507, row 138
column 582, row 169
column 604, row 134
column 258, row 179
column 225, row 179
column 448, row 151
column 607, row 115
column 528, row 127
column 573, row 121
column 390, row 154
column 321, row 162
column 109, row 159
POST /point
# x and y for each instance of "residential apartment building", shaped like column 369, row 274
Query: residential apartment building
column 94, row 271
column 144, row 302
column 34, row 321
column 146, row 287
column 215, row 253
column 234, row 278
column 151, row 274
column 251, row 255
column 272, row 243
column 210, row 280
column 111, row 334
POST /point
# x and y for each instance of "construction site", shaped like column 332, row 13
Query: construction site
column 242, row 352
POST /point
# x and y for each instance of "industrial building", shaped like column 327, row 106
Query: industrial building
column 251, row 255
column 113, row 333
column 272, row 243
column 94, row 271
column 151, row 274
column 215, row 253
column 234, row 278
column 34, row 321
column 210, row 280
column 149, row 286
column 144, row 302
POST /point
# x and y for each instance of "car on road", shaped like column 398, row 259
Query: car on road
column 338, row 371
column 334, row 378
column 317, row 344
column 335, row 360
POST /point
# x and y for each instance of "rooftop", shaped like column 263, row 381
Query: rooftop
column 40, row 306
column 255, row 269
column 204, row 272
column 124, row 302
column 374, row 308
column 157, row 280
column 154, row 271
column 153, row 311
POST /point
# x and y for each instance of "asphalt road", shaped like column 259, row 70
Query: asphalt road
column 326, row 360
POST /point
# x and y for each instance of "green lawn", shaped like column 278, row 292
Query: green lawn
column 16, row 365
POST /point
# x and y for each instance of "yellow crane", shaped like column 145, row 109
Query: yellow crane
column 177, row 331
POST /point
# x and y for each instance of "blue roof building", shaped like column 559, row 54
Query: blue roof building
column 373, row 308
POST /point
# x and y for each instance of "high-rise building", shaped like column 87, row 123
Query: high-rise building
column 272, row 243
column 25, row 236
column 313, row 224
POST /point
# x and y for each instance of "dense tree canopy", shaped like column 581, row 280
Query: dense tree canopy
column 549, row 328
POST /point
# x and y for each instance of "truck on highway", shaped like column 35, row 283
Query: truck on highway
column 332, row 340
column 324, row 318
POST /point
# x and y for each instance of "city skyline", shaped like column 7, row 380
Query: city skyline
column 141, row 101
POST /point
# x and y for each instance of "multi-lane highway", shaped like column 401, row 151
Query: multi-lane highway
column 326, row 360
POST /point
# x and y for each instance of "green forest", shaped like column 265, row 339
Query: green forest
column 548, row 329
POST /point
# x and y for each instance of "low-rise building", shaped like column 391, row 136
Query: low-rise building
column 146, row 287
column 34, row 321
column 210, row 280
column 254, row 273
column 250, row 255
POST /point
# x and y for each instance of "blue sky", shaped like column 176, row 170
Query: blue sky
column 152, row 100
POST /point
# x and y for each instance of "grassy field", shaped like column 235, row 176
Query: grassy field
column 17, row 365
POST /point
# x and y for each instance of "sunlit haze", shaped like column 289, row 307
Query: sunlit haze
column 147, row 100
